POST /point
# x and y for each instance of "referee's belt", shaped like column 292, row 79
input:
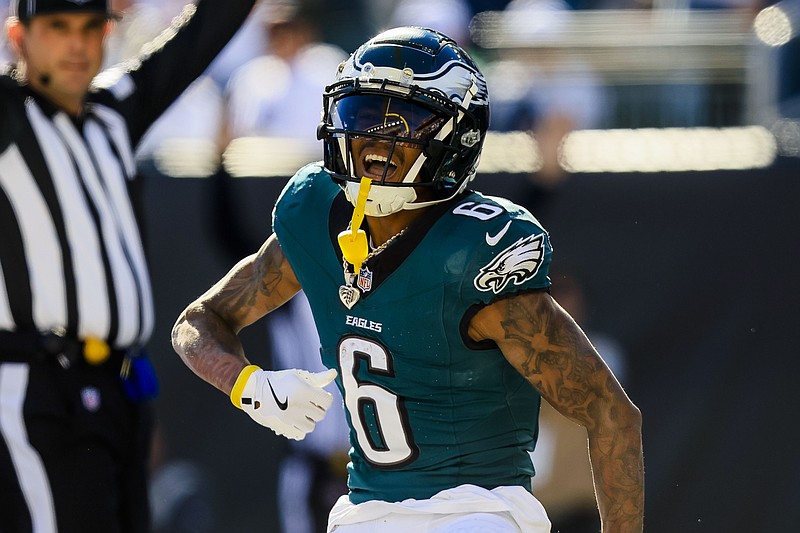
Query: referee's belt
column 16, row 346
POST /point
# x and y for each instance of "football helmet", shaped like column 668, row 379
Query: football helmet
column 413, row 86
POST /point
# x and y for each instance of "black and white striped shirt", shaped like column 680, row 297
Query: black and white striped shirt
column 75, row 258
column 71, row 256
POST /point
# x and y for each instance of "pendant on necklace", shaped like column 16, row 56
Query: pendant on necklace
column 349, row 295
column 365, row 279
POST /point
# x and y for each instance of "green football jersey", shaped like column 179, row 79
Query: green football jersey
column 428, row 408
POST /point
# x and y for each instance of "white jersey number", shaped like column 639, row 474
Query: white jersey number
column 479, row 211
column 376, row 413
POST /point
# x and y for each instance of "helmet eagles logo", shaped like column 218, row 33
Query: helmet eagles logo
column 518, row 263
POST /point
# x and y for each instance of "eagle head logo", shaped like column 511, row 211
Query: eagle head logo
column 518, row 263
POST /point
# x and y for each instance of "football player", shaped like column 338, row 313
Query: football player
column 432, row 307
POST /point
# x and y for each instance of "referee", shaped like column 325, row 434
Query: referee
column 75, row 298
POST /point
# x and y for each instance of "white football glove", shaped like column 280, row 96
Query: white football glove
column 289, row 402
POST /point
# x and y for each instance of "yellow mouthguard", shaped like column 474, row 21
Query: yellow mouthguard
column 354, row 242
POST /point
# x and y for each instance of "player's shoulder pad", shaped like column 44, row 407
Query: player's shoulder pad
column 500, row 219
column 309, row 177
column 307, row 187
column 510, row 248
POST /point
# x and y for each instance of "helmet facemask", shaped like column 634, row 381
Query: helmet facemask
column 384, row 114
column 371, row 121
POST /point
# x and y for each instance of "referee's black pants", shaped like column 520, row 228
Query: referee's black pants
column 73, row 452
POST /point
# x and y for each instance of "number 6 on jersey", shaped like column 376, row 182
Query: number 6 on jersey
column 377, row 414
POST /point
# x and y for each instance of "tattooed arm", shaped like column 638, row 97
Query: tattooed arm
column 205, row 335
column 544, row 344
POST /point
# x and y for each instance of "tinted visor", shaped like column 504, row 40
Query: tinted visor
column 385, row 115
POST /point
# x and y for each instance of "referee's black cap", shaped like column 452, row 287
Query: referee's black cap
column 25, row 9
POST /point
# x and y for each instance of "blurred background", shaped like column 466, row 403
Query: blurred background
column 658, row 142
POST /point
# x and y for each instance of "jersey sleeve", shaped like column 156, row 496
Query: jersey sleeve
column 299, row 218
column 511, row 252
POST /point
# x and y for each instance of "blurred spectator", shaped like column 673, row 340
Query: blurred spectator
column 789, row 84
column 278, row 94
column 377, row 13
column 549, row 98
column 185, row 140
column 5, row 50
column 450, row 17
column 789, row 65
column 487, row 5
column 686, row 101
column 563, row 480
column 344, row 22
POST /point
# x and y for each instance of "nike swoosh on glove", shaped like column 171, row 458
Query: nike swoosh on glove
column 289, row 402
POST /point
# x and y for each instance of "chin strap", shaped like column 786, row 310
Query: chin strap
column 354, row 242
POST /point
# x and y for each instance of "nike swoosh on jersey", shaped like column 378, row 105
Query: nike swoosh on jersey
column 491, row 241
column 282, row 405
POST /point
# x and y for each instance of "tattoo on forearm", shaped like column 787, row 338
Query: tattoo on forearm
column 207, row 336
column 552, row 352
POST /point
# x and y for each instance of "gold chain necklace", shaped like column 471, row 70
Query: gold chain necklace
column 350, row 294
column 385, row 245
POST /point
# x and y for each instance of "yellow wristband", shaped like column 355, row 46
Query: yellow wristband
column 241, row 381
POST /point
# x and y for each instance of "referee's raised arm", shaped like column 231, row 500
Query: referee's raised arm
column 75, row 297
column 143, row 87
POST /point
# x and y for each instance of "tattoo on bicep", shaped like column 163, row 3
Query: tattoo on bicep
column 551, row 352
column 254, row 282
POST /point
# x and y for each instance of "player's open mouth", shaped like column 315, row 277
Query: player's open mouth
column 374, row 165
